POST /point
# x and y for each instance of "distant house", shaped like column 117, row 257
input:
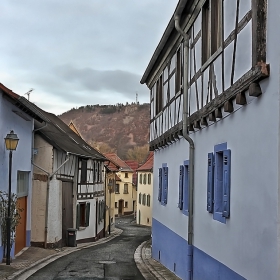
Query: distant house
column 68, row 185
column 214, row 129
column 145, row 191
column 125, row 191
column 16, row 116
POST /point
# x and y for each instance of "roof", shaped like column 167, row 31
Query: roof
column 20, row 103
column 74, row 128
column 58, row 134
column 133, row 164
column 148, row 165
column 169, row 29
column 118, row 162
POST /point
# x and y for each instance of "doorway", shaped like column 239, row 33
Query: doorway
column 67, row 209
column 120, row 212
column 20, row 241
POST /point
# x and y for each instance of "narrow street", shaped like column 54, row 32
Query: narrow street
column 112, row 260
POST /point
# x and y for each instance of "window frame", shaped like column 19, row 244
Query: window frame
column 83, row 177
column 149, row 178
column 117, row 188
column 125, row 188
column 22, row 192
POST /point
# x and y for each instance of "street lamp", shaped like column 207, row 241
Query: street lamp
column 110, row 188
column 11, row 142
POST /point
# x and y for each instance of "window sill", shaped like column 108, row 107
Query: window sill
column 82, row 228
column 125, row 193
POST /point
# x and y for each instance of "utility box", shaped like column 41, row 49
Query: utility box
column 71, row 237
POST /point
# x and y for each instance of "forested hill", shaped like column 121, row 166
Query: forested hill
column 112, row 127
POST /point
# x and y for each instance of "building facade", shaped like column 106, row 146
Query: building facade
column 214, row 84
column 145, row 192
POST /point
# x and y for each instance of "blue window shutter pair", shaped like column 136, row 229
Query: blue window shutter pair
column 210, row 183
column 181, row 186
column 226, row 182
column 159, row 184
column 218, row 183
column 165, row 184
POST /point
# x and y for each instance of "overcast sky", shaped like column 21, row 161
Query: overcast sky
column 79, row 52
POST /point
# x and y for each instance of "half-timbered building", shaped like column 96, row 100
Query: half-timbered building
column 214, row 130
column 67, row 184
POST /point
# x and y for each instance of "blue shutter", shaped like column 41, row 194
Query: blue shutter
column 210, row 183
column 159, row 184
column 226, row 183
column 181, row 185
column 165, row 184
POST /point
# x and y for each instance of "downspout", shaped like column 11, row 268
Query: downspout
column 191, row 144
column 47, row 196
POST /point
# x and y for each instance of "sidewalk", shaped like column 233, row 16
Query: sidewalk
column 150, row 268
column 31, row 259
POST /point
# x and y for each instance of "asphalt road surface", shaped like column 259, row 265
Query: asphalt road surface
column 111, row 261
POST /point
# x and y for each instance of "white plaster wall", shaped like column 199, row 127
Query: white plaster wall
column 89, row 231
column 39, row 193
column 55, row 211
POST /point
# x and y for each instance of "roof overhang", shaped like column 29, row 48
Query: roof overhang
column 171, row 25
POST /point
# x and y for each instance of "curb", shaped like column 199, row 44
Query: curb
column 45, row 261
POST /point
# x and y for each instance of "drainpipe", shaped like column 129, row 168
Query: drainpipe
column 47, row 197
column 190, row 141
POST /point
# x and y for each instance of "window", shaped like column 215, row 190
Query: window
column 116, row 204
column 140, row 178
column 148, row 220
column 149, row 179
column 159, row 99
column 145, row 179
column 126, row 204
column 140, row 196
column 94, row 171
column 211, row 28
column 218, row 183
column 148, row 200
column 126, row 175
column 117, row 188
column 144, row 199
column 163, row 184
column 83, row 171
column 22, row 183
column 125, row 188
column 101, row 210
column 178, row 76
column 83, row 213
column 98, row 172
column 184, row 188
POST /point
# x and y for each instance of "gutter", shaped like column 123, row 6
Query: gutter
column 191, row 144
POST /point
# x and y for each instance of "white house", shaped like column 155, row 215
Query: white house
column 17, row 117
column 214, row 86
column 68, row 184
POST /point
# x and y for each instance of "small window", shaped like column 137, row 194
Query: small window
column 116, row 204
column 159, row 99
column 83, row 213
column 22, row 183
column 149, row 179
column 140, row 198
column 178, row 74
column 117, row 188
column 148, row 200
column 148, row 220
column 126, row 175
column 94, row 171
column 140, row 178
column 125, row 188
column 126, row 204
column 83, row 171
column 211, row 28
column 184, row 188
column 144, row 199
column 145, row 179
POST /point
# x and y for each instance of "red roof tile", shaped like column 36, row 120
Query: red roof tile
column 148, row 165
column 118, row 162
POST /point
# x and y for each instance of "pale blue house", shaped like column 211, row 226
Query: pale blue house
column 214, row 90
column 15, row 116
